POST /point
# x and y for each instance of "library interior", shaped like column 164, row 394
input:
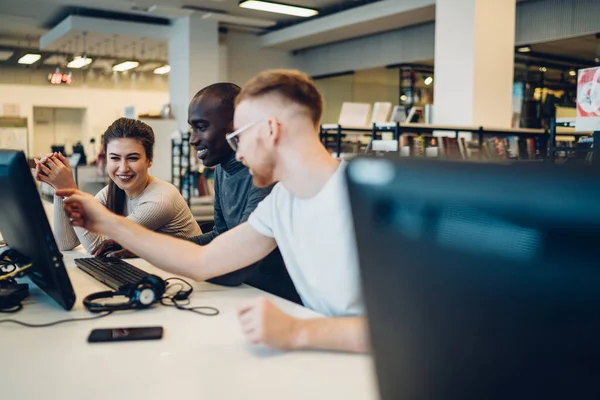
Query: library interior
column 344, row 199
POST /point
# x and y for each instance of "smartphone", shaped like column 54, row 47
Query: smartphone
column 124, row 334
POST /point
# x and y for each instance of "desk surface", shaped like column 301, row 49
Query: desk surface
column 198, row 358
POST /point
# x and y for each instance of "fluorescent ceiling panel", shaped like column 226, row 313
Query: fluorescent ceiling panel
column 125, row 66
column 278, row 8
column 79, row 62
column 163, row 70
column 29, row 58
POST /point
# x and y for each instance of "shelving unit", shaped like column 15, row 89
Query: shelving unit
column 544, row 139
column 181, row 175
column 397, row 129
column 592, row 152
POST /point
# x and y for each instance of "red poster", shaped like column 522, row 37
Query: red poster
column 588, row 99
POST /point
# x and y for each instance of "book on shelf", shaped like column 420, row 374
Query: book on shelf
column 431, row 147
column 451, row 148
column 414, row 114
column 418, row 146
column 205, row 184
column 509, row 148
column 491, row 148
column 512, row 147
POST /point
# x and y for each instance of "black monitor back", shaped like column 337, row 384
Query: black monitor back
column 56, row 148
column 25, row 228
column 480, row 281
column 79, row 149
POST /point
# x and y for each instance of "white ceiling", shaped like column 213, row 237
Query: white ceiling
column 19, row 18
column 22, row 22
column 385, row 15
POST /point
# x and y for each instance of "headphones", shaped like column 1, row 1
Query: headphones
column 143, row 294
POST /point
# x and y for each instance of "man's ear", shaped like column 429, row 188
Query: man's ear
column 274, row 130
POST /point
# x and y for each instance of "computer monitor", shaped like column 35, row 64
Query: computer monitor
column 480, row 281
column 78, row 149
column 26, row 230
column 58, row 148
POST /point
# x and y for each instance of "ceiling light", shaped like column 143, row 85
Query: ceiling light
column 79, row 62
column 29, row 58
column 524, row 49
column 5, row 55
column 572, row 72
column 165, row 69
column 125, row 66
column 278, row 8
column 428, row 80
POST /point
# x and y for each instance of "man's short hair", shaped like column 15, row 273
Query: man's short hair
column 291, row 85
column 224, row 92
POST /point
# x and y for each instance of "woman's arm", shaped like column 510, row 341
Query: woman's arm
column 55, row 170
column 64, row 234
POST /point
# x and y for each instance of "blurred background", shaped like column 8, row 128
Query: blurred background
column 446, row 79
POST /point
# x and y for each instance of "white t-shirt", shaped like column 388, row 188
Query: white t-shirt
column 316, row 239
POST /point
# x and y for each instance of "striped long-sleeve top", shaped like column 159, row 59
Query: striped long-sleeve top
column 160, row 207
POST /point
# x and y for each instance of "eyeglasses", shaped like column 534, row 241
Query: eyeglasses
column 233, row 138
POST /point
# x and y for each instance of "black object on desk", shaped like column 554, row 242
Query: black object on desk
column 25, row 228
column 113, row 272
column 125, row 334
column 480, row 281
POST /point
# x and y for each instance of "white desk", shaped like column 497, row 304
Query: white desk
column 198, row 358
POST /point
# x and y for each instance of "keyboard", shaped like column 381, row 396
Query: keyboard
column 113, row 272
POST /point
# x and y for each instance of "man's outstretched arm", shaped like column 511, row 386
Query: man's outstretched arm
column 230, row 251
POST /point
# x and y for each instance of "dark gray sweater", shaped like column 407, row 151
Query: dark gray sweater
column 236, row 197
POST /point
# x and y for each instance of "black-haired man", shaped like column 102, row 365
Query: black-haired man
column 210, row 115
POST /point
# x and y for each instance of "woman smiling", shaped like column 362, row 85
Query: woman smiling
column 132, row 192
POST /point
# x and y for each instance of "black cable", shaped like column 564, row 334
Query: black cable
column 180, row 299
column 28, row 325
column 207, row 311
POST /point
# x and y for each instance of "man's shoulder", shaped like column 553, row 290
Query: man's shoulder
column 278, row 193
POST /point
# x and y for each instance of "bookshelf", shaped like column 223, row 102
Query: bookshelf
column 181, row 175
column 398, row 130
column 194, row 182
column 584, row 146
column 520, row 144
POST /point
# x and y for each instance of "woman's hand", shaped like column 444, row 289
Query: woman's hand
column 54, row 169
column 110, row 248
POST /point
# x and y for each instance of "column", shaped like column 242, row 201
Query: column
column 474, row 62
column 194, row 61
